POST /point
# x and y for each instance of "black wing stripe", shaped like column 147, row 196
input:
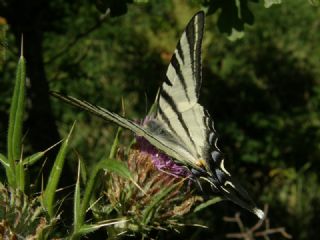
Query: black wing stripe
column 194, row 33
column 197, row 70
column 179, row 50
column 167, row 81
column 175, row 64
column 174, row 108
column 167, row 121
column 190, row 33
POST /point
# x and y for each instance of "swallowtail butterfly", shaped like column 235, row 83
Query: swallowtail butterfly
column 181, row 127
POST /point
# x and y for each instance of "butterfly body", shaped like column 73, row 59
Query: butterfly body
column 181, row 127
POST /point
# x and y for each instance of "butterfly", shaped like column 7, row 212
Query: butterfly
column 182, row 128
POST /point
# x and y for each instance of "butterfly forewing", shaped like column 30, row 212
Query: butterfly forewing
column 178, row 107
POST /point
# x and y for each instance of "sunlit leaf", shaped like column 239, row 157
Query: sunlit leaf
column 269, row 3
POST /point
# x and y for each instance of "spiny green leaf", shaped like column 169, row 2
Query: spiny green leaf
column 16, row 120
column 28, row 161
column 49, row 193
column 16, row 112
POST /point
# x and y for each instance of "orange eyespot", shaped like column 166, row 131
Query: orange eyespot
column 201, row 163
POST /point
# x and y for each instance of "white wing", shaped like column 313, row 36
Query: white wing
column 178, row 107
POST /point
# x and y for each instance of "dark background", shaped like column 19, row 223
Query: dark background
column 261, row 89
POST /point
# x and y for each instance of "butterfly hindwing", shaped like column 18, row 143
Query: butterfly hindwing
column 154, row 134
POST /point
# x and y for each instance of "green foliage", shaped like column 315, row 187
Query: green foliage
column 298, row 194
column 262, row 90
column 233, row 16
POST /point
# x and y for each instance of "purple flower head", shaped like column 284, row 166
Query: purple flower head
column 161, row 161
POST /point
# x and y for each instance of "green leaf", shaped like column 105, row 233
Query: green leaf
column 269, row 3
column 49, row 193
column 4, row 160
column 16, row 120
column 207, row 203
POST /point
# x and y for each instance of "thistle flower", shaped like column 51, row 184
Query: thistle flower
column 161, row 161
column 163, row 197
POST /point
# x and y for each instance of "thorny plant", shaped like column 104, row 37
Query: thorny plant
column 255, row 231
column 164, row 197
